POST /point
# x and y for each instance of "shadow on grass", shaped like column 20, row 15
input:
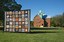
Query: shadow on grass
column 42, row 32
column 33, row 32
column 27, row 32
column 2, row 30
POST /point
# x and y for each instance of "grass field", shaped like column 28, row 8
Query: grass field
column 31, row 37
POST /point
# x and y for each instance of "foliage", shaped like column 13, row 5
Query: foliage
column 58, row 20
column 8, row 5
column 31, row 24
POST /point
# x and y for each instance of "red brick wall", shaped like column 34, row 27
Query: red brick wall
column 38, row 21
column 48, row 21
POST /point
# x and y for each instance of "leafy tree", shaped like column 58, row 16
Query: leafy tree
column 31, row 23
column 8, row 5
column 58, row 20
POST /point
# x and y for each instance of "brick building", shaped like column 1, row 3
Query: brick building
column 39, row 22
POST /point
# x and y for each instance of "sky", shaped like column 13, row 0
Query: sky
column 49, row 7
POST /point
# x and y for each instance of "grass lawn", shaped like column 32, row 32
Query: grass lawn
column 31, row 37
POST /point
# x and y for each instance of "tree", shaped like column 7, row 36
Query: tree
column 8, row 5
column 31, row 23
column 58, row 20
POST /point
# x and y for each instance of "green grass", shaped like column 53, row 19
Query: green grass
column 31, row 37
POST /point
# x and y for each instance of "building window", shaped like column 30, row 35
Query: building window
column 16, row 23
column 10, row 26
column 16, row 29
column 23, row 19
column 26, row 30
column 26, row 26
column 22, row 15
column 22, row 12
column 7, row 19
column 13, row 26
column 19, row 23
column 19, row 12
column 16, row 12
column 26, row 22
column 22, row 22
column 26, row 19
column 10, row 23
column 7, row 26
column 7, row 29
column 13, row 19
column 26, row 11
column 13, row 15
column 7, row 22
column 13, row 12
column 10, row 16
column 16, row 26
column 13, row 30
column 10, row 29
column 19, row 19
column 22, row 30
column 10, row 12
column 26, row 15
column 10, row 19
column 16, row 15
column 19, row 26
column 7, row 16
